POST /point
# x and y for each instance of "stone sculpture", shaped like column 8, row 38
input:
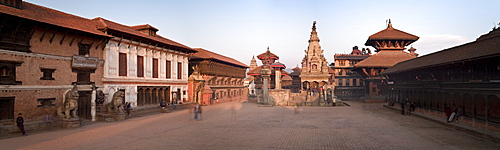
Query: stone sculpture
column 70, row 104
column 99, row 97
column 116, row 103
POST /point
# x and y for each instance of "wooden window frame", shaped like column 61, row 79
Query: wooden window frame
column 122, row 64
column 140, row 66
column 179, row 70
column 168, row 69
column 155, row 68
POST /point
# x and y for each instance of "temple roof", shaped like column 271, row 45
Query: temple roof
column 267, row 54
column 205, row 54
column 486, row 46
column 278, row 64
column 286, row 78
column 390, row 34
column 384, row 59
column 104, row 24
column 50, row 16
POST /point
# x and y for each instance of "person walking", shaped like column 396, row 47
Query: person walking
column 20, row 123
column 296, row 108
column 197, row 112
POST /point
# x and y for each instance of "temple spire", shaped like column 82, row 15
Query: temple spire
column 314, row 35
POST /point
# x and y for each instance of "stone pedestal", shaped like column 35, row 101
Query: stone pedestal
column 71, row 123
column 165, row 110
column 118, row 117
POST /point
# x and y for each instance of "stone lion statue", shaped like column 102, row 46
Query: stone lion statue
column 70, row 105
column 116, row 103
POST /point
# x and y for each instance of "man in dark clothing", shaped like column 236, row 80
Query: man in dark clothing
column 20, row 123
column 163, row 104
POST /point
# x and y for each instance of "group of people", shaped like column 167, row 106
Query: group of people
column 453, row 113
column 407, row 107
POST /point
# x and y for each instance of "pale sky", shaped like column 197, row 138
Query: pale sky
column 241, row 29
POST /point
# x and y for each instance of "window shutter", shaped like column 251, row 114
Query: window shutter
column 179, row 70
column 155, row 68
column 168, row 69
column 140, row 66
column 122, row 61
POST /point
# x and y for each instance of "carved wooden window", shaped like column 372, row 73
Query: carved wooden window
column 15, row 34
column 46, row 102
column 179, row 70
column 494, row 71
column 140, row 66
column 122, row 64
column 341, row 62
column 6, row 108
column 8, row 73
column 47, row 73
column 155, row 68
column 83, row 49
column 168, row 69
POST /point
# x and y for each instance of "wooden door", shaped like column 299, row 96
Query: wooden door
column 84, row 105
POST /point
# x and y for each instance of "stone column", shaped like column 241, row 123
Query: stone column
column 93, row 104
column 265, row 88
column 277, row 75
column 265, row 72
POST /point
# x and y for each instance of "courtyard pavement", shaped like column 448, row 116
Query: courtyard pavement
column 239, row 126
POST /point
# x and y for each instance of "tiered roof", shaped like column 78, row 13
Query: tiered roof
column 267, row 54
column 392, row 53
column 391, row 35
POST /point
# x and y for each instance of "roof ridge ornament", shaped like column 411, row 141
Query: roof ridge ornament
column 314, row 25
column 389, row 25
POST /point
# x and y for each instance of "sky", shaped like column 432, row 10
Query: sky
column 241, row 29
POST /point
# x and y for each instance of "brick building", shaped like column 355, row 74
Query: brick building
column 147, row 66
column 466, row 75
column 219, row 77
column 43, row 52
column 349, row 84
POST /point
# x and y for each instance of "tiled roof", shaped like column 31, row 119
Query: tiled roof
column 146, row 26
column 267, row 54
column 485, row 46
column 255, row 71
column 386, row 58
column 205, row 54
column 286, row 78
column 392, row 34
column 104, row 24
column 296, row 73
column 53, row 17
